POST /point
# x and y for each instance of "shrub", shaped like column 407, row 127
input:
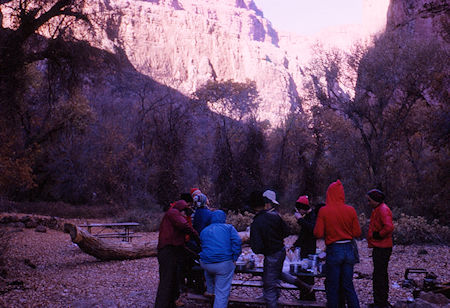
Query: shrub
column 409, row 230
column 291, row 221
column 149, row 220
column 364, row 224
column 240, row 221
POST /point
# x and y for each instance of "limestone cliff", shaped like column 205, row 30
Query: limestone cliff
column 420, row 18
column 184, row 43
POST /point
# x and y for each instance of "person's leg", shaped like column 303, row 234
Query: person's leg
column 273, row 266
column 223, row 279
column 380, row 276
column 335, row 258
column 209, row 270
column 351, row 298
column 304, row 295
column 167, row 289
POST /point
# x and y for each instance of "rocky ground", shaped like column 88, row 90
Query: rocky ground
column 45, row 269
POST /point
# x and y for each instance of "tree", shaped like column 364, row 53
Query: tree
column 235, row 105
column 394, row 84
column 32, row 113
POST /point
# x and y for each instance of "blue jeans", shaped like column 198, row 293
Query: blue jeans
column 218, row 278
column 339, row 275
column 273, row 267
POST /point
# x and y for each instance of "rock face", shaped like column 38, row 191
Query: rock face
column 420, row 18
column 184, row 43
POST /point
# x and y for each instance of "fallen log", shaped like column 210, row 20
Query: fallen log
column 105, row 250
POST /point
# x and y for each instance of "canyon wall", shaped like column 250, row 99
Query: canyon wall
column 184, row 43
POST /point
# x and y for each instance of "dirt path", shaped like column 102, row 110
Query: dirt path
column 66, row 277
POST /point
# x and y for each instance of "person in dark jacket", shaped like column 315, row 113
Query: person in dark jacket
column 267, row 233
column 221, row 247
column 338, row 224
column 306, row 218
column 379, row 238
column 171, row 242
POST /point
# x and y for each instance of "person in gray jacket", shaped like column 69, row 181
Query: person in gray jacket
column 221, row 247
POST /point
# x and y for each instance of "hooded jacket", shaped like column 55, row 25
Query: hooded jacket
column 220, row 241
column 336, row 221
column 381, row 222
column 174, row 227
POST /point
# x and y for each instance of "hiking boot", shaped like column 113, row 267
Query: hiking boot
column 179, row 302
column 303, row 286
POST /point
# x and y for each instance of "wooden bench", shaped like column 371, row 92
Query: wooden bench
column 259, row 284
column 257, row 301
column 125, row 234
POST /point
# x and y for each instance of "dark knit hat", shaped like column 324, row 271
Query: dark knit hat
column 376, row 195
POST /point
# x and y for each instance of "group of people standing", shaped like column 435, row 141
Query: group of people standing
column 220, row 246
column 207, row 237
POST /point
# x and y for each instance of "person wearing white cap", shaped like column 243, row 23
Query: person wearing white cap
column 270, row 200
column 267, row 233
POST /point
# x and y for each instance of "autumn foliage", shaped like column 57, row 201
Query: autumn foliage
column 375, row 117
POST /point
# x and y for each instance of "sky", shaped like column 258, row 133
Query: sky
column 310, row 16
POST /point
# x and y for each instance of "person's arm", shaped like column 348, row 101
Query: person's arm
column 386, row 220
column 319, row 228
column 284, row 228
column 256, row 242
column 307, row 224
column 236, row 243
column 180, row 222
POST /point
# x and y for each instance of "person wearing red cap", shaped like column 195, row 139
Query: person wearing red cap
column 379, row 237
column 306, row 218
column 338, row 224
column 171, row 243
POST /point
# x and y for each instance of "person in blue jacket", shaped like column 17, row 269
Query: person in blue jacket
column 202, row 214
column 221, row 247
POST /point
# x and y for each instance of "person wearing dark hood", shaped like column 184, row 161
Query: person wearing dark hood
column 379, row 238
column 171, row 242
column 221, row 247
column 306, row 218
column 338, row 224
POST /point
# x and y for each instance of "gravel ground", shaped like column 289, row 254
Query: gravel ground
column 48, row 270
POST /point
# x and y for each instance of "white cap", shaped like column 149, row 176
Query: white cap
column 269, row 194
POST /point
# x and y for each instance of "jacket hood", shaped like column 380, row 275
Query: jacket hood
column 335, row 194
column 180, row 205
column 218, row 216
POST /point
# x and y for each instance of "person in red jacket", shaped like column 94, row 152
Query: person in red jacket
column 338, row 224
column 379, row 238
column 171, row 241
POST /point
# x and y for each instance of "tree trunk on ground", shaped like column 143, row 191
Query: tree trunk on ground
column 104, row 250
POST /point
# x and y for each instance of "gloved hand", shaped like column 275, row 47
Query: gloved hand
column 297, row 215
column 376, row 235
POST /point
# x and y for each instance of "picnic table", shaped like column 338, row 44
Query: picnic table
column 121, row 230
column 250, row 277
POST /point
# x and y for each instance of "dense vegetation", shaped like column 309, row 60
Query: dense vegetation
column 375, row 117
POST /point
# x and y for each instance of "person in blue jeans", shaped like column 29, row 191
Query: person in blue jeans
column 338, row 224
column 221, row 247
